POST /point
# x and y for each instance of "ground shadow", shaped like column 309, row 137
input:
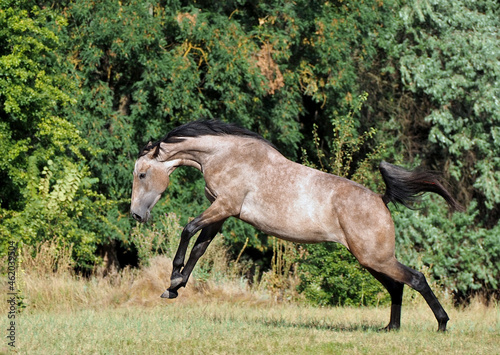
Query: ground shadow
column 282, row 323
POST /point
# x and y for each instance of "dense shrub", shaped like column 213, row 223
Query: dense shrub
column 47, row 190
column 462, row 255
column 330, row 275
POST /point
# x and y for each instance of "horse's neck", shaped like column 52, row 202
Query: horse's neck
column 192, row 152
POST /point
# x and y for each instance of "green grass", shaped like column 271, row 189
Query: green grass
column 228, row 327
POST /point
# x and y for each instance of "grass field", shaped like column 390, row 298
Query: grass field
column 123, row 314
column 227, row 327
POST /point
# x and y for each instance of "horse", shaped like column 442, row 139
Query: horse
column 248, row 178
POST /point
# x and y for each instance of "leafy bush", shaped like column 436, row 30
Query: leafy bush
column 449, row 53
column 62, row 208
column 461, row 255
column 46, row 190
column 330, row 275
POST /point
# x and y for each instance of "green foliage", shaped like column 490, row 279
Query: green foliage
column 332, row 276
column 347, row 147
column 447, row 55
column 461, row 255
column 61, row 208
column 143, row 68
column 29, row 92
column 84, row 84
column 450, row 53
column 46, row 188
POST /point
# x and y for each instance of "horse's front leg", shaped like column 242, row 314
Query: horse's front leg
column 178, row 262
column 180, row 279
column 214, row 216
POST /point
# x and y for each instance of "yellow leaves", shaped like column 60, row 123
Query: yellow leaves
column 348, row 98
column 311, row 84
column 320, row 28
column 268, row 68
column 267, row 20
column 309, row 42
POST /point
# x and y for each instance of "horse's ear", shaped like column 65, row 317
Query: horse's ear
column 157, row 151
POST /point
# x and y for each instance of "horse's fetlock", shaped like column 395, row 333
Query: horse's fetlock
column 177, row 264
column 176, row 279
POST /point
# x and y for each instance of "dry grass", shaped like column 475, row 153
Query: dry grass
column 50, row 288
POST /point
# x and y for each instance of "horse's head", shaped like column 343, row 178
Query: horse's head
column 151, row 178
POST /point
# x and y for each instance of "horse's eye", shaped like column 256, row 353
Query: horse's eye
column 142, row 175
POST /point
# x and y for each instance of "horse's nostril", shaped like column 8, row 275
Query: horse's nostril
column 136, row 217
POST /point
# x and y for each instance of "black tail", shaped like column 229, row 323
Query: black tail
column 404, row 186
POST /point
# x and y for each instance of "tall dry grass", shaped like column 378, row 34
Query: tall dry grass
column 282, row 279
column 48, row 282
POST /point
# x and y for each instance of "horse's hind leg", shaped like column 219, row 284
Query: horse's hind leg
column 395, row 289
column 416, row 280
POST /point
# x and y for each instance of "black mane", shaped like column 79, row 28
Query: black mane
column 201, row 128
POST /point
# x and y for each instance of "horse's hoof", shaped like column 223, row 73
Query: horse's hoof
column 442, row 324
column 389, row 328
column 169, row 294
column 442, row 328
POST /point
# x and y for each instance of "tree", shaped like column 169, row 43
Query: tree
column 143, row 68
column 445, row 56
column 46, row 189
column 449, row 52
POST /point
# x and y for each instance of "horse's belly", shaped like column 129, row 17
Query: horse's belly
column 306, row 226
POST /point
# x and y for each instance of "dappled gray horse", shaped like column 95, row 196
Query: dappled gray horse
column 247, row 178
